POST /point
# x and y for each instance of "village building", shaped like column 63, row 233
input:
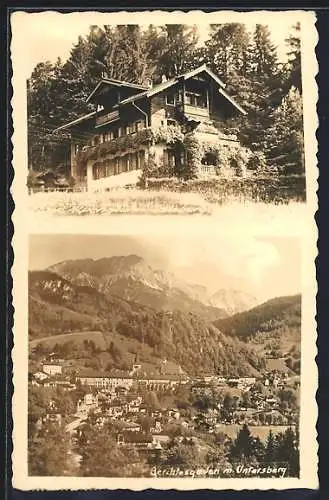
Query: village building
column 157, row 428
column 160, row 439
column 139, row 440
column 131, row 427
column 39, row 377
column 185, row 120
column 52, row 368
column 103, row 381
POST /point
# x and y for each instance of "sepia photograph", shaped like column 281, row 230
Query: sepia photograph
column 165, row 119
column 165, row 178
column 164, row 357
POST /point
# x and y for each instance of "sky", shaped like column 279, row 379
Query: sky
column 50, row 35
column 263, row 267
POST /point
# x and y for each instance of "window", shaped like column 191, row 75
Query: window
column 171, row 123
column 201, row 101
column 170, row 160
column 170, row 98
column 188, row 98
column 120, row 132
column 197, row 100
column 209, row 159
column 179, row 96
column 139, row 126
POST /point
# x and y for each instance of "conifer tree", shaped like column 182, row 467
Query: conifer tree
column 288, row 451
column 294, row 58
column 180, row 42
column 242, row 447
column 270, row 448
column 48, row 451
column 285, row 136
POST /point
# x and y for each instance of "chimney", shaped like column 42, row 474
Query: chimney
column 149, row 83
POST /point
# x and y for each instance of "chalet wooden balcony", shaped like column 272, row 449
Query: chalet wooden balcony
column 195, row 111
column 107, row 118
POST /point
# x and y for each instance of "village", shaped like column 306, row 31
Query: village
column 145, row 412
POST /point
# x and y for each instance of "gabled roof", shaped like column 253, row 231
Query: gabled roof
column 232, row 101
column 150, row 92
column 201, row 69
column 76, row 121
column 156, row 89
column 110, row 82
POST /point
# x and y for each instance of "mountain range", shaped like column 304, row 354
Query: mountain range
column 126, row 300
column 130, row 277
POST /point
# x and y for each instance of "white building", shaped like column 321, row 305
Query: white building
column 52, row 368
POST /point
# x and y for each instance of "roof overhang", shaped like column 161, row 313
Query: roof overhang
column 232, row 101
column 113, row 83
column 170, row 83
column 76, row 122
column 203, row 69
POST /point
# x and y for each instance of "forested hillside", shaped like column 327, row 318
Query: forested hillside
column 277, row 318
column 57, row 306
column 269, row 89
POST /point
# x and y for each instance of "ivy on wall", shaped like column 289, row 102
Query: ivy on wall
column 224, row 156
column 192, row 145
column 169, row 135
column 115, row 146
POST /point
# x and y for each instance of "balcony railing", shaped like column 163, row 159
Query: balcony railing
column 207, row 170
column 195, row 111
column 108, row 117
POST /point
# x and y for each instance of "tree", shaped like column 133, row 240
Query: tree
column 45, row 103
column 126, row 58
column 288, row 396
column 228, row 402
column 264, row 60
column 38, row 400
column 266, row 90
column 294, row 59
column 270, row 453
column 152, row 400
column 243, row 445
column 78, row 78
column 245, row 400
column 285, row 136
column 101, row 457
column 185, row 455
column 227, row 51
column 288, row 451
column 145, row 422
column 48, row 452
column 179, row 43
column 154, row 44
column 65, row 404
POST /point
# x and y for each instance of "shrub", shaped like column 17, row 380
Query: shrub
column 239, row 160
column 265, row 188
column 32, row 179
column 257, row 161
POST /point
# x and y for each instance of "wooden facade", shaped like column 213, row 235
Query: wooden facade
column 124, row 110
